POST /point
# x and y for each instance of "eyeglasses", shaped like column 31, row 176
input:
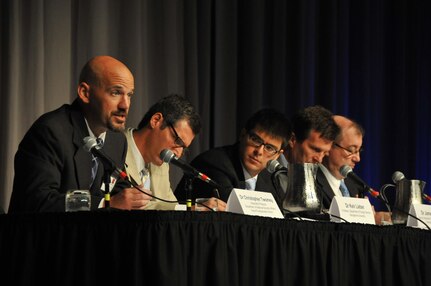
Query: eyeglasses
column 177, row 140
column 256, row 141
column 350, row 152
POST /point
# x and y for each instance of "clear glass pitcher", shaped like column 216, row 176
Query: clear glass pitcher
column 301, row 192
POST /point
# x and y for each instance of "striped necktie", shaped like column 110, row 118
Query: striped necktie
column 95, row 161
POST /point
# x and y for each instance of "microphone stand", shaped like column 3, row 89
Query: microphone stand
column 276, row 181
column 189, row 189
column 108, row 169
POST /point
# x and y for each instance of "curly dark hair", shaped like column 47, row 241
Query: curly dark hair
column 174, row 107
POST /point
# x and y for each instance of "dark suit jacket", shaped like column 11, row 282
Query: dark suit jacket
column 326, row 191
column 223, row 165
column 51, row 160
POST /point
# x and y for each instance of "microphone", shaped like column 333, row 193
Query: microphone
column 91, row 145
column 397, row 176
column 346, row 171
column 274, row 166
column 169, row 157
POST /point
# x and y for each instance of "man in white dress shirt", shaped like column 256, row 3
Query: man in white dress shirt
column 346, row 150
column 171, row 123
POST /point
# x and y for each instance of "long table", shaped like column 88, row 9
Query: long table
column 112, row 247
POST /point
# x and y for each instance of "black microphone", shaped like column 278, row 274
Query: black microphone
column 347, row 171
column 91, row 145
column 169, row 157
column 274, row 166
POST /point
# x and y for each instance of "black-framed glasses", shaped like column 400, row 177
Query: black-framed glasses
column 256, row 141
column 350, row 152
column 177, row 140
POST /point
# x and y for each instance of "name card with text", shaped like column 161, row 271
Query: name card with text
column 253, row 203
column 352, row 210
column 421, row 211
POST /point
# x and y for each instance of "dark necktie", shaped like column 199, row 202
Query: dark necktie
column 95, row 161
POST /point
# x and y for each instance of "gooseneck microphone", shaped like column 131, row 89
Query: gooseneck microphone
column 397, row 176
column 169, row 157
column 274, row 166
column 347, row 171
column 91, row 145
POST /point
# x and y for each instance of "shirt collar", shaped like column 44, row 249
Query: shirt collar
column 139, row 160
column 101, row 136
column 334, row 183
column 247, row 174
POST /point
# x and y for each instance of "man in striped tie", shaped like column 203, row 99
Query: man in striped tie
column 346, row 150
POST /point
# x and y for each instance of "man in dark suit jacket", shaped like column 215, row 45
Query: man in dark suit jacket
column 345, row 150
column 327, row 191
column 51, row 159
column 264, row 138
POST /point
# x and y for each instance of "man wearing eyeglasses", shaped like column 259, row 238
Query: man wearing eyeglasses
column 243, row 164
column 345, row 150
column 171, row 123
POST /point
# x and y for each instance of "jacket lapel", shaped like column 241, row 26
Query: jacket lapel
column 82, row 158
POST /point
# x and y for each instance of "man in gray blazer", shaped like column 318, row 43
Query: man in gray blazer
column 171, row 123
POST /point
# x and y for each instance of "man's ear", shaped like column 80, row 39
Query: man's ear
column 292, row 141
column 84, row 92
column 156, row 120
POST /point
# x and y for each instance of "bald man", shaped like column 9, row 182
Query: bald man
column 51, row 159
column 345, row 150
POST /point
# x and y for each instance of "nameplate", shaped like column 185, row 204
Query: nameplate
column 348, row 209
column 422, row 212
column 253, row 203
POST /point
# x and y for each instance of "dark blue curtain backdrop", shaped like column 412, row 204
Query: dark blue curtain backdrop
column 369, row 60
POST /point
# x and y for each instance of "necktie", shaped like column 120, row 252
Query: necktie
column 250, row 184
column 343, row 189
column 95, row 161
column 145, row 178
column 99, row 142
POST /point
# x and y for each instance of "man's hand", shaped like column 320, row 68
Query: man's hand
column 131, row 199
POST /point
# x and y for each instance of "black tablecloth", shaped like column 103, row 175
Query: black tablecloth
column 204, row 248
